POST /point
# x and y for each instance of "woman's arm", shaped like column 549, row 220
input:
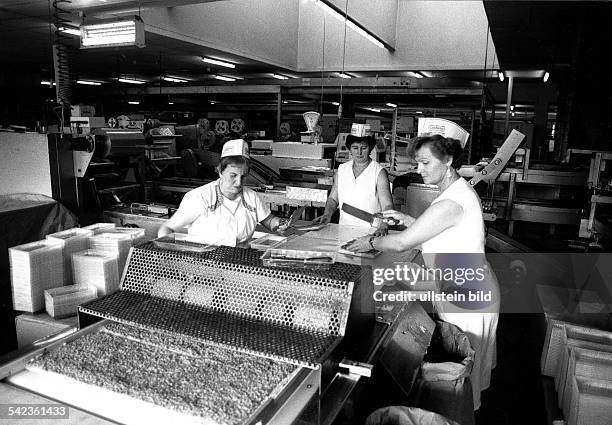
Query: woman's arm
column 383, row 192
column 187, row 213
column 437, row 218
column 331, row 205
column 434, row 220
column 385, row 200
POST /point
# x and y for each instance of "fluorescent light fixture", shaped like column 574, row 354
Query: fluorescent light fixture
column 89, row 83
column 170, row 103
column 175, row 80
column 218, row 62
column 70, row 30
column 212, row 102
column 47, row 83
column 418, row 112
column 546, row 76
column 373, row 109
column 500, row 74
column 279, row 77
column 285, row 101
column 334, row 13
column 124, row 32
column 130, row 81
column 414, row 74
column 133, row 102
column 364, row 33
column 391, row 105
column 223, row 78
column 336, row 103
column 343, row 75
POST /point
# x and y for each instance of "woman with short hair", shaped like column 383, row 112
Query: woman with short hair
column 360, row 182
column 451, row 235
column 224, row 212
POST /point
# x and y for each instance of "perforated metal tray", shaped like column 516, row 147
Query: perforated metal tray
column 228, row 297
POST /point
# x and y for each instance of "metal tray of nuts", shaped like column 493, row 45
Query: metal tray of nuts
column 157, row 377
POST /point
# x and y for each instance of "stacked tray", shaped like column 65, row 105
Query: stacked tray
column 63, row 301
column 71, row 240
column 113, row 243
column 99, row 227
column 136, row 233
column 552, row 347
column 97, row 269
column 35, row 267
column 578, row 337
column 592, row 403
column 587, row 365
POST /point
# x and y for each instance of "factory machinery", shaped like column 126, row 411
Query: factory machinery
column 213, row 335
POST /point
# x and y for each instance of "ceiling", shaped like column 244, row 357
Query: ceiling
column 527, row 35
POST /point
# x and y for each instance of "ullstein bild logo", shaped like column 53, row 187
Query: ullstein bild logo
column 412, row 275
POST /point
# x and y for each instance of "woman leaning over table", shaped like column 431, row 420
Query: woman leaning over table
column 224, row 212
column 451, row 235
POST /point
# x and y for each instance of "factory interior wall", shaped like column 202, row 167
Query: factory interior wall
column 430, row 35
column 24, row 164
column 377, row 16
column 257, row 29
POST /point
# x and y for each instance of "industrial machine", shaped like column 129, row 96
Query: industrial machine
column 109, row 166
column 195, row 328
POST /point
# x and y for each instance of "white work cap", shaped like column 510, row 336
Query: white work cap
column 235, row 147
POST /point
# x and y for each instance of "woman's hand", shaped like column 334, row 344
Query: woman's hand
column 322, row 219
column 283, row 225
column 360, row 244
column 383, row 229
column 400, row 217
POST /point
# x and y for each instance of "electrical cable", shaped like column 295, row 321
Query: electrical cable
column 343, row 57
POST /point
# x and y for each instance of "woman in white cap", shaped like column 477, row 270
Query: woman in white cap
column 452, row 238
column 360, row 182
column 224, row 212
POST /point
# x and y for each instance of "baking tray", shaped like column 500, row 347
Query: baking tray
column 111, row 396
column 312, row 260
column 175, row 242
column 267, row 241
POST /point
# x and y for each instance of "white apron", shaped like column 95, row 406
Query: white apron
column 226, row 222
column 359, row 192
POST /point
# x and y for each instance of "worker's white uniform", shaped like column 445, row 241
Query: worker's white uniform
column 359, row 192
column 221, row 221
column 477, row 320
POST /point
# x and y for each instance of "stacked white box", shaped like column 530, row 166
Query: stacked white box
column 136, row 233
column 553, row 347
column 576, row 336
column 592, row 402
column 99, row 227
column 63, row 301
column 585, row 363
column 35, row 267
column 97, row 269
column 113, row 243
column 71, row 240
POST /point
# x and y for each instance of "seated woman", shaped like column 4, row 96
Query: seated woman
column 360, row 182
column 451, row 234
column 224, row 212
